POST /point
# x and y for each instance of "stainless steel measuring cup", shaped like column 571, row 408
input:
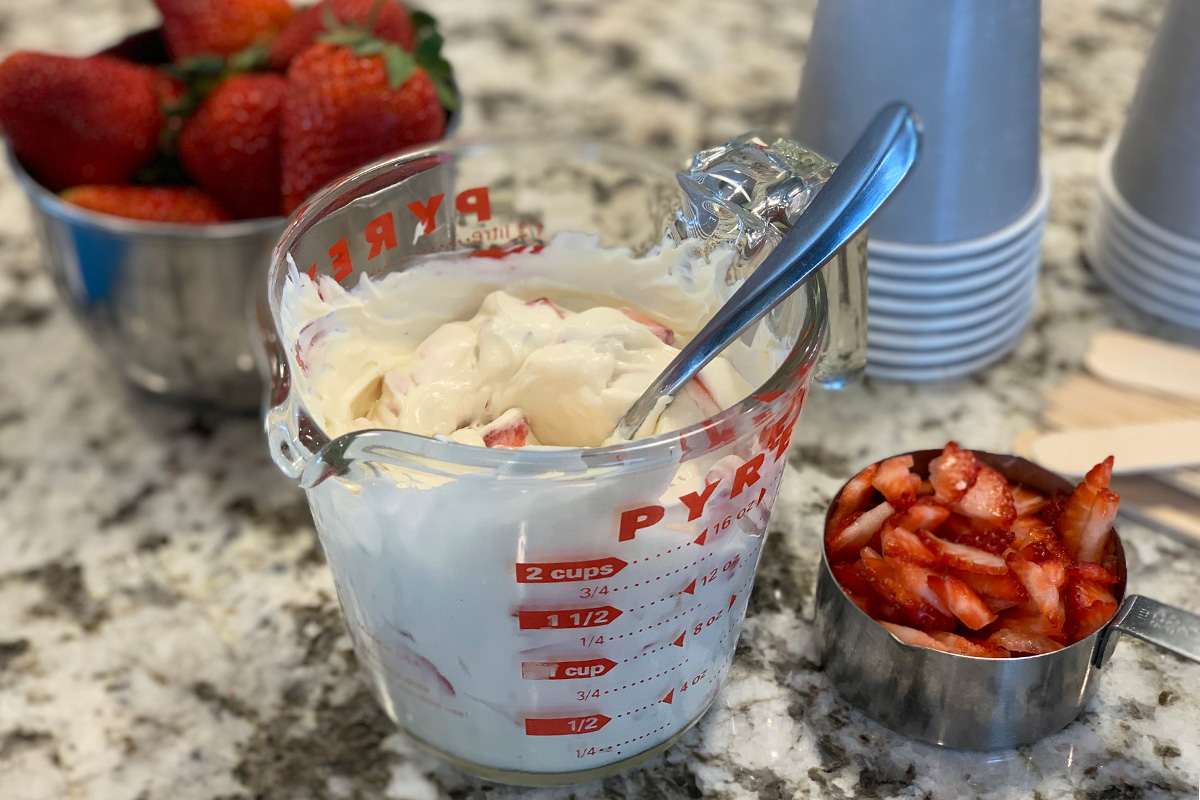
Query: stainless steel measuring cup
column 981, row 703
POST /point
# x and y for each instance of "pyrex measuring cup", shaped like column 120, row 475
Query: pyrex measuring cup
column 547, row 616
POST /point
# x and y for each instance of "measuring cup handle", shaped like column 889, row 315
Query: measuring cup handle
column 1157, row 623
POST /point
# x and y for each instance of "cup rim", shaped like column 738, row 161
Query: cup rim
column 945, row 372
column 979, row 245
column 907, row 306
column 1177, row 285
column 948, row 340
column 931, row 272
column 1145, row 226
column 333, row 454
column 891, row 284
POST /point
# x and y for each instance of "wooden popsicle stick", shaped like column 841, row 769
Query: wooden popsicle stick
column 1145, row 363
column 1141, row 448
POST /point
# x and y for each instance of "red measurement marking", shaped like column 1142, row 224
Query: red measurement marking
column 670, row 698
column 565, row 670
column 702, row 537
column 567, row 618
column 691, row 587
column 732, row 597
column 565, row 726
column 565, row 571
column 679, row 642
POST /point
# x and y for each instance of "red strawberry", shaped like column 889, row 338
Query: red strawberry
column 917, row 581
column 1043, row 581
column 854, row 496
column 1000, row 587
column 903, row 545
column 1086, row 570
column 546, row 301
column 962, row 601
column 896, row 481
column 961, row 530
column 1089, row 606
column 664, row 334
column 509, row 430
column 953, row 473
column 182, row 204
column 944, row 641
column 988, row 499
column 1028, row 501
column 888, row 583
column 73, row 121
column 221, row 27
column 393, row 23
column 1027, row 530
column 343, row 110
column 230, row 146
column 923, row 515
column 961, row 556
column 1088, row 514
column 856, row 532
column 1016, row 641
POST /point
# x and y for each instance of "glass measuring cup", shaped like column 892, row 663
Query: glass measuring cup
column 544, row 616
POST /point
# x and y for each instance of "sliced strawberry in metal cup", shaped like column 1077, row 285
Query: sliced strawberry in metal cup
column 923, row 515
column 962, row 601
column 904, row 545
column 885, row 580
column 1043, row 581
column 988, row 499
column 953, row 473
column 856, row 533
column 853, row 496
column 1088, row 514
column 1021, row 643
column 895, row 480
column 965, row 557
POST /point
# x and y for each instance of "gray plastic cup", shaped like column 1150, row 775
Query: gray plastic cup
column 970, row 69
column 1156, row 166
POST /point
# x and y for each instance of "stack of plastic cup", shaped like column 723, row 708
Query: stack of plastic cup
column 1143, row 238
column 954, row 255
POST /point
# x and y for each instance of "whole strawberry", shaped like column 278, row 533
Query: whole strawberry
column 343, row 110
column 393, row 23
column 180, row 204
column 221, row 27
column 230, row 146
column 79, row 120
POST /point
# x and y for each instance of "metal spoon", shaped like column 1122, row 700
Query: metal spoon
column 868, row 175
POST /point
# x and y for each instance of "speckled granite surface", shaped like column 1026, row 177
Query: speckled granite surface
column 168, row 628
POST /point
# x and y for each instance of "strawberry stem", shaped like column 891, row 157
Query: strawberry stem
column 373, row 15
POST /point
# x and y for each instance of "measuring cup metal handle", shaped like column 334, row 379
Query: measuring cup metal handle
column 1157, row 623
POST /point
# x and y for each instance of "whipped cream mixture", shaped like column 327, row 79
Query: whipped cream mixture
column 555, row 357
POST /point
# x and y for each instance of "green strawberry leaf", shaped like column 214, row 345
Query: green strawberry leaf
column 398, row 64
column 329, row 19
column 428, row 54
column 446, row 94
column 370, row 47
column 422, row 20
column 252, row 59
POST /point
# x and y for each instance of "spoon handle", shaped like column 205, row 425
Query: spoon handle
column 870, row 172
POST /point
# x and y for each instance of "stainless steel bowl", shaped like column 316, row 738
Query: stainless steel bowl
column 981, row 703
column 169, row 304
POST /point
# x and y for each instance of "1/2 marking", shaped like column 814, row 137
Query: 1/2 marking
column 567, row 618
column 566, row 726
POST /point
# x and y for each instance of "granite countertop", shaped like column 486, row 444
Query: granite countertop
column 168, row 627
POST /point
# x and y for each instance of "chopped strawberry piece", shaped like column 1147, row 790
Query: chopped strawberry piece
column 1087, row 570
column 702, row 396
column 1028, row 618
column 997, row 604
column 1045, row 551
column 895, row 480
column 965, row 557
column 1019, row 642
column 1053, row 509
column 546, row 301
column 664, row 334
column 1043, row 581
column 854, row 496
column 1000, row 587
column 969, row 647
column 1027, row 530
column 960, row 530
column 988, row 499
column 917, row 580
column 854, row 536
column 923, row 515
column 1088, row 514
column 903, row 545
column 849, row 579
column 509, row 433
column 962, row 601
column 1028, row 501
column 888, row 583
column 953, row 473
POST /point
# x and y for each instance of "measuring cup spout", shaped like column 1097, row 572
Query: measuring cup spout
column 1159, row 624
